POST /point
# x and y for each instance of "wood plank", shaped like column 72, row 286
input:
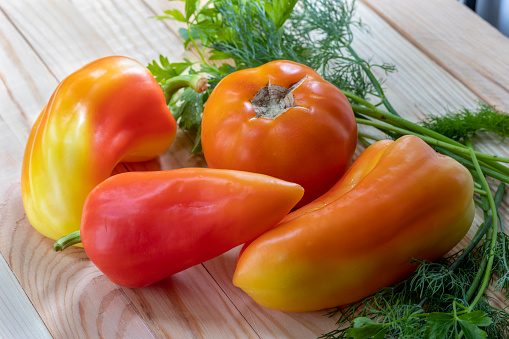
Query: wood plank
column 457, row 39
column 419, row 86
column 18, row 318
column 190, row 304
column 67, row 35
column 19, row 93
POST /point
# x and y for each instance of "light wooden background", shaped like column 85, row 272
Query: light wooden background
column 447, row 58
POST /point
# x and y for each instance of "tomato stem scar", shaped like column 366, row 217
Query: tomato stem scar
column 273, row 100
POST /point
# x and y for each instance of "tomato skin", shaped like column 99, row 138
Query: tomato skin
column 311, row 144
column 141, row 227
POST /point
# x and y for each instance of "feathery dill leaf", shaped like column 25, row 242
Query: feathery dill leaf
column 251, row 37
column 501, row 263
column 467, row 122
column 499, row 328
column 322, row 31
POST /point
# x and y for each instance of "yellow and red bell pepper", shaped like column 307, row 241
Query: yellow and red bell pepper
column 399, row 200
column 109, row 111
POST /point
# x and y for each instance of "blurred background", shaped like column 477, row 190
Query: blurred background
column 496, row 12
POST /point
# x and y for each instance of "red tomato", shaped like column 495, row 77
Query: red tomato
column 281, row 119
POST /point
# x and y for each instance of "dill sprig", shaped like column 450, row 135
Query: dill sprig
column 499, row 328
column 322, row 30
column 468, row 122
column 442, row 299
column 252, row 32
column 501, row 263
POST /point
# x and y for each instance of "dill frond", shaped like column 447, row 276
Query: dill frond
column 499, row 328
column 468, row 122
column 323, row 31
column 501, row 263
column 251, row 37
column 434, row 281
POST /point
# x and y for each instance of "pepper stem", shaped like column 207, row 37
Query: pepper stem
column 67, row 240
column 195, row 81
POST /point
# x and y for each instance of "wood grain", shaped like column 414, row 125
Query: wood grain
column 63, row 294
column 419, row 86
column 458, row 40
column 93, row 29
column 18, row 318
column 24, row 81
column 72, row 297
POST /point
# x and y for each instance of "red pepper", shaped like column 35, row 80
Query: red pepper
column 141, row 227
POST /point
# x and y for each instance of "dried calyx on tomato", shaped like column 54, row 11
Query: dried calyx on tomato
column 281, row 119
column 399, row 200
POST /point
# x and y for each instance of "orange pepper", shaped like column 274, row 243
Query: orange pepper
column 399, row 200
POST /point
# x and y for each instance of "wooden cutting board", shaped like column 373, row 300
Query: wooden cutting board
column 447, row 58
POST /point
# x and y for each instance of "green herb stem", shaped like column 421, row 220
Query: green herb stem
column 462, row 159
column 363, row 140
column 493, row 232
column 373, row 80
column 398, row 121
column 480, row 273
column 368, row 136
column 194, row 81
column 473, row 243
column 359, row 100
column 479, row 191
column 202, row 57
column 491, row 160
column 431, row 140
column 494, row 165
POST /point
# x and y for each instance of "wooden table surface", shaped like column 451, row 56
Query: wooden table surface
column 447, row 58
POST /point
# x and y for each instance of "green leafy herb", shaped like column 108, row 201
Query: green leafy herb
column 443, row 299
column 466, row 122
